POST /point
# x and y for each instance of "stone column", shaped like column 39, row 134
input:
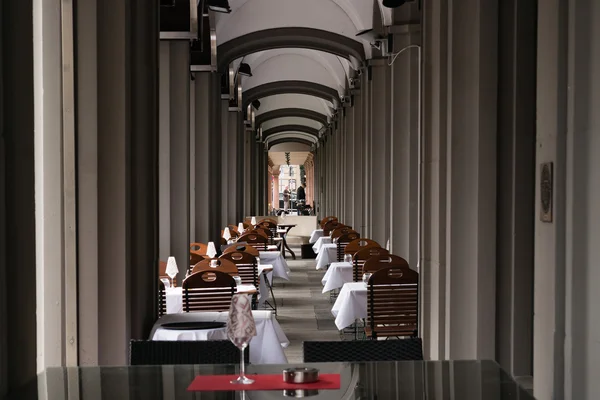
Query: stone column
column 179, row 159
column 164, row 151
column 275, row 201
column 404, row 143
column 232, row 179
column 118, row 181
column 365, row 146
column 458, row 278
column 208, row 152
column 225, row 164
column 379, row 140
column 357, row 159
column 348, row 166
column 17, row 199
column 516, row 186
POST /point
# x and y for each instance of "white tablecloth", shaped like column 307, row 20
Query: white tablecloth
column 350, row 305
column 265, row 348
column 315, row 235
column 327, row 255
column 337, row 274
column 320, row 242
column 280, row 266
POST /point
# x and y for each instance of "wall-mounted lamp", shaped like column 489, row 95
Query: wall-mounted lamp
column 221, row 6
column 245, row 69
column 256, row 104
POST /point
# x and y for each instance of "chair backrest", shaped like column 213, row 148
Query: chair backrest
column 269, row 223
column 246, row 266
column 242, row 247
column 259, row 242
column 393, row 303
column 361, row 256
column 259, row 231
column 195, row 259
column 343, row 241
column 377, row 262
column 363, row 350
column 199, row 248
column 336, row 233
column 331, row 226
column 208, row 291
column 156, row 352
column 223, row 265
column 326, row 220
column 162, row 299
column 359, row 244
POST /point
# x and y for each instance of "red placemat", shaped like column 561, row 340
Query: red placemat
column 218, row 383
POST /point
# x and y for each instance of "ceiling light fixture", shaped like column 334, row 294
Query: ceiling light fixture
column 245, row 69
column 256, row 104
column 221, row 6
column 393, row 3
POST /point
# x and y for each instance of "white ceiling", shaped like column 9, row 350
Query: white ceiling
column 296, row 157
column 342, row 17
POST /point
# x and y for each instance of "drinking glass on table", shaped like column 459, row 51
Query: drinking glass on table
column 240, row 330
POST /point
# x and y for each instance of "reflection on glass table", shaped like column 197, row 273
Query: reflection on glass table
column 406, row 380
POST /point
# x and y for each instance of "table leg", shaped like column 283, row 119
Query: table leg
column 285, row 245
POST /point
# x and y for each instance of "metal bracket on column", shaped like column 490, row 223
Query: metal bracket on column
column 170, row 16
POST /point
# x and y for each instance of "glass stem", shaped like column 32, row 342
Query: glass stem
column 242, row 363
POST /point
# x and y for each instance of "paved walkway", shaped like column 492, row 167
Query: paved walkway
column 304, row 312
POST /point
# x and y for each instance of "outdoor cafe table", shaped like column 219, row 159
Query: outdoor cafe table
column 414, row 380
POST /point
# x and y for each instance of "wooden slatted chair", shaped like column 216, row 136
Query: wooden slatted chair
column 162, row 299
column 194, row 259
column 359, row 258
column 342, row 243
column 271, row 228
column 223, row 266
column 162, row 272
column 336, row 233
column 208, row 291
column 359, row 244
column 378, row 262
column 242, row 247
column 259, row 242
column 246, row 266
column 331, row 226
column 326, row 220
column 199, row 248
column 392, row 303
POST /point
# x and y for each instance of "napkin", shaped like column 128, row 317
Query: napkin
column 241, row 228
column 253, row 221
column 172, row 269
column 211, row 251
column 241, row 321
column 226, row 234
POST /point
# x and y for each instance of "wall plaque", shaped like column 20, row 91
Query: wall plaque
column 546, row 191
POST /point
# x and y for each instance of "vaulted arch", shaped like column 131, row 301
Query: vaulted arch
column 291, row 112
column 295, row 100
column 290, row 128
column 277, row 38
column 293, row 66
column 272, row 143
column 291, row 86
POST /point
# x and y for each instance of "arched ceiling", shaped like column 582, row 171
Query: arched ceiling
column 290, row 100
column 302, row 54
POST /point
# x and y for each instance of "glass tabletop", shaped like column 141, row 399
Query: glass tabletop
column 406, row 380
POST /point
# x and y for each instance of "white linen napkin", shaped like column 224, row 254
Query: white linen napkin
column 172, row 269
column 253, row 221
column 226, row 234
column 241, row 228
column 211, row 251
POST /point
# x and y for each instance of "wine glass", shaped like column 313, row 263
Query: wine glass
column 240, row 330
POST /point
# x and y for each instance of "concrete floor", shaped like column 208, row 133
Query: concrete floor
column 304, row 312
